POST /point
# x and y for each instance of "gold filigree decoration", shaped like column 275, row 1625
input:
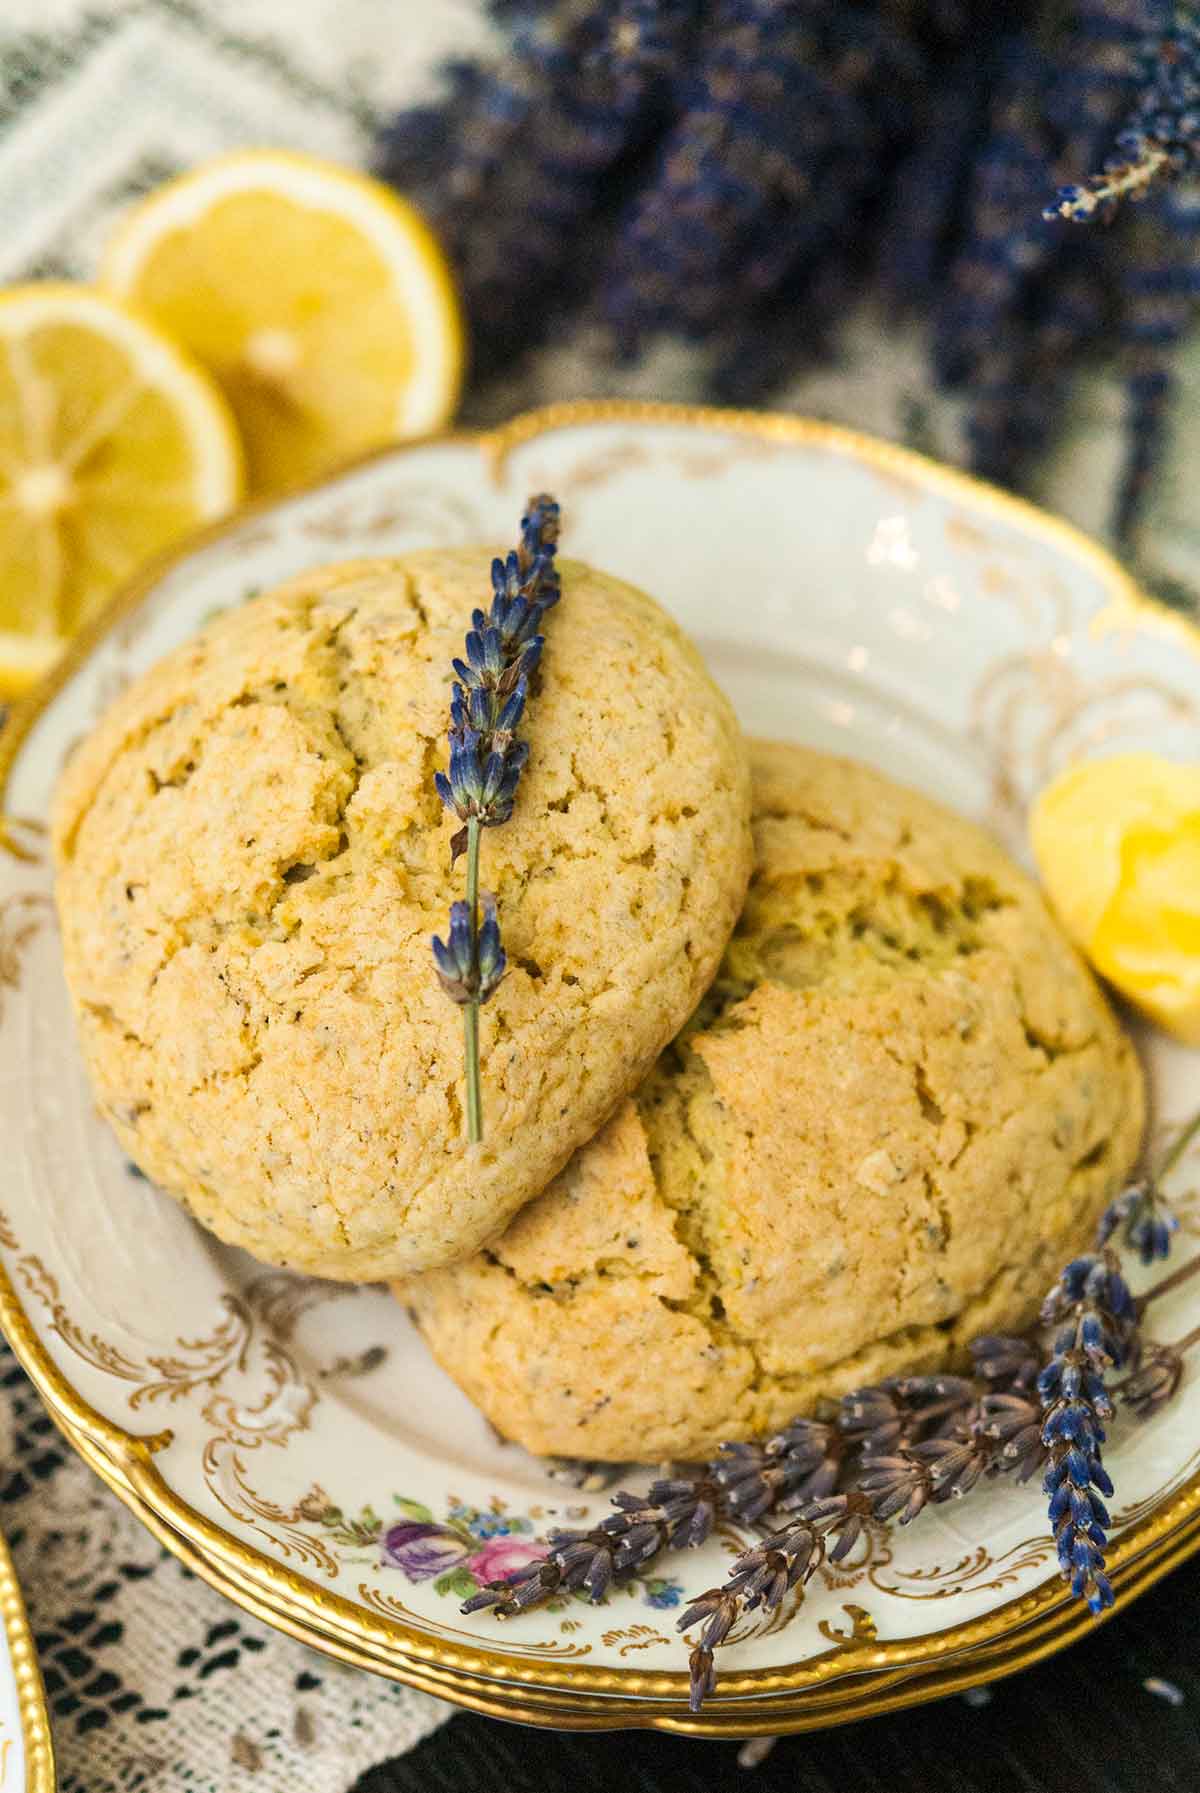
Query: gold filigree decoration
column 22, row 838
column 944, row 1581
column 21, row 916
column 226, row 1478
column 863, row 1629
column 873, row 1548
column 637, row 1637
column 278, row 1402
column 202, row 1362
column 89, row 1346
column 391, row 1608
column 285, row 1407
column 241, row 1343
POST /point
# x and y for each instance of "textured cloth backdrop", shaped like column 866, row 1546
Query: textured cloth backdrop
column 154, row 1680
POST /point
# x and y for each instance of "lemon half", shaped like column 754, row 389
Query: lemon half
column 112, row 444
column 319, row 301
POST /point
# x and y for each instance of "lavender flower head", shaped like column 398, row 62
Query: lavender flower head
column 1093, row 1298
column 470, row 971
column 1148, row 1227
column 492, row 683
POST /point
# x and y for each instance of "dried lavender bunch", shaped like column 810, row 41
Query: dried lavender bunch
column 1022, row 301
column 511, row 167
column 736, row 171
column 907, row 1442
column 1159, row 282
column 487, row 703
column 1159, row 275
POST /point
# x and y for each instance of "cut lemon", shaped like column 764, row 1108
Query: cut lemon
column 112, row 443
column 319, row 301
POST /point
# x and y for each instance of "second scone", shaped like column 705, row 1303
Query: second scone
column 252, row 859
column 900, row 1107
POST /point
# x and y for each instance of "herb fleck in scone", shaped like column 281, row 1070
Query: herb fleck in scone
column 252, row 859
column 902, row 1104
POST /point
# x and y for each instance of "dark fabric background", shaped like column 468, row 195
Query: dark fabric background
column 1081, row 1722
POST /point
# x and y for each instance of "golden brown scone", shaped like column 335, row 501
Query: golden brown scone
column 252, row 859
column 902, row 1104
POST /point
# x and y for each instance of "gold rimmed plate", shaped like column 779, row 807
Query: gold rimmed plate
column 847, row 593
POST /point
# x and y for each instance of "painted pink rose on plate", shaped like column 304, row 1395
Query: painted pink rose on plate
column 500, row 1556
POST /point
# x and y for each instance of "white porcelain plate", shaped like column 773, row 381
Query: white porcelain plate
column 292, row 1437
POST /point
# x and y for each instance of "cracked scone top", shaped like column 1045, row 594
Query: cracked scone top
column 252, row 859
column 902, row 1104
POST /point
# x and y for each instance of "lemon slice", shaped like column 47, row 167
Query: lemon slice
column 111, row 444
column 319, row 301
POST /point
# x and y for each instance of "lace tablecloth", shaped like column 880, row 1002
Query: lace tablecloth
column 154, row 1680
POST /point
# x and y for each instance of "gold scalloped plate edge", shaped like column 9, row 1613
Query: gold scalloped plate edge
column 328, row 1621
column 31, row 1695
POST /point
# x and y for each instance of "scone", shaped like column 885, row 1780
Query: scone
column 252, row 859
column 901, row 1106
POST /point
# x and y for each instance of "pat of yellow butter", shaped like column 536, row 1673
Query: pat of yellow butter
column 1117, row 842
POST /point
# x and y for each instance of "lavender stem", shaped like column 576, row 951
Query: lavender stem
column 1178, row 1147
column 471, row 1009
column 1182, row 1275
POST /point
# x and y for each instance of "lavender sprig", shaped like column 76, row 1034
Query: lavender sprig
column 1161, row 138
column 1143, row 1210
column 1093, row 1298
column 470, row 971
column 677, row 1513
column 488, row 697
column 764, row 1574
